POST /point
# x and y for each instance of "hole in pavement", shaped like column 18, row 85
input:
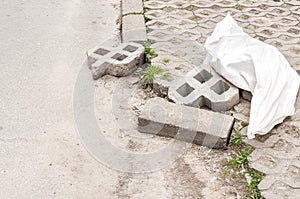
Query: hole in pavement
column 130, row 48
column 203, row 76
column 185, row 90
column 119, row 57
column 102, row 51
column 220, row 87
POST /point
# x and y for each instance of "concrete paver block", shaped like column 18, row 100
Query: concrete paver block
column 202, row 86
column 132, row 6
column 134, row 29
column 117, row 61
column 281, row 190
column 165, row 79
column 185, row 123
column 277, row 157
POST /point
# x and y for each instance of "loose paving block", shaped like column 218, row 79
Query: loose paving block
column 165, row 78
column 117, row 61
column 134, row 29
column 185, row 123
column 202, row 86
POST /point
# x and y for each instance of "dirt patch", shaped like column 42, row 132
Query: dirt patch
column 183, row 182
column 122, row 187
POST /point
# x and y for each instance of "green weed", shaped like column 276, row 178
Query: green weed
column 165, row 60
column 225, row 173
column 165, row 75
column 149, row 51
column 244, row 124
column 256, row 178
column 132, row 13
column 236, row 140
column 238, row 5
column 147, row 19
column 149, row 76
column 241, row 162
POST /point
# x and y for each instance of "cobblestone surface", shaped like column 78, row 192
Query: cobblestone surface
column 180, row 27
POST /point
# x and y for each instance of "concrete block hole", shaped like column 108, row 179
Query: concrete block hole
column 220, row 87
column 130, row 48
column 102, row 51
column 185, row 89
column 203, row 76
column 119, row 56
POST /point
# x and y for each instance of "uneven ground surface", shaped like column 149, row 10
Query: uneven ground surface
column 178, row 22
column 42, row 155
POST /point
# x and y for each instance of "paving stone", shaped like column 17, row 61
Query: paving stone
column 202, row 86
column 240, row 117
column 170, row 73
column 133, row 29
column 174, row 14
column 281, row 190
column 117, row 61
column 189, row 54
column 181, row 38
column 278, row 158
column 132, row 6
column 185, row 123
column 207, row 88
column 289, row 175
column 243, row 107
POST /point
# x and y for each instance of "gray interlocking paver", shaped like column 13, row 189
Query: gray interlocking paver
column 117, row 61
column 202, row 87
column 213, row 92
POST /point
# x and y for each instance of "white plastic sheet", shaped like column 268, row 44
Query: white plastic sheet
column 257, row 67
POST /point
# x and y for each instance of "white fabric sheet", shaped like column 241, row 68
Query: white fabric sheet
column 257, row 67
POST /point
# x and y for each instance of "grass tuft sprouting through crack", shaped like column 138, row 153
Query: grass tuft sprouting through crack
column 149, row 76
